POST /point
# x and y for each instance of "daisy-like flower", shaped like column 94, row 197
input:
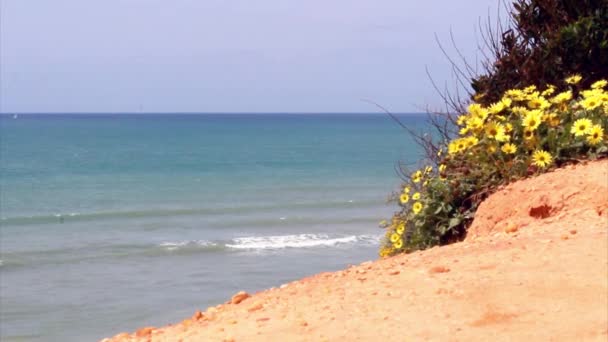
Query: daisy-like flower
column 562, row 97
column 532, row 120
column 497, row 107
column 398, row 244
column 453, row 147
column 541, row 158
column 519, row 110
column 574, row 79
column 395, row 237
column 476, row 110
column 596, row 134
column 515, row 94
column 591, row 103
column 581, row 127
column 552, row 119
column 406, row 190
column 599, row 84
column 417, row 207
column 475, row 123
column 538, row 103
column 417, row 176
column 496, row 131
column 509, row 148
column 416, row 196
column 400, row 229
column 404, row 198
column 528, row 134
column 470, row 142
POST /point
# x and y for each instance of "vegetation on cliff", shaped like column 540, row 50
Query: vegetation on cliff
column 541, row 104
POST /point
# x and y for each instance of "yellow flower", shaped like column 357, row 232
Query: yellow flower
column 406, row 190
column 538, row 103
column 478, row 97
column 463, row 131
column 384, row 252
column 599, row 84
column 528, row 134
column 541, row 158
column 426, row 182
column 439, row 153
column 574, row 79
column 398, row 244
column 581, row 127
column 474, row 123
column 530, row 89
column 416, row 196
column 453, row 147
column 497, row 107
column 596, row 134
column 404, row 198
column 562, row 97
column 491, row 148
column 395, row 237
column 532, row 120
column 519, row 110
column 400, row 229
column 515, row 94
column 417, row 176
column 506, row 101
column 417, row 207
column 496, row 131
column 470, row 142
column 476, row 110
column 442, row 168
column 461, row 120
column 550, row 90
column 591, row 103
column 509, row 148
column 552, row 119
column 428, row 170
column 508, row 127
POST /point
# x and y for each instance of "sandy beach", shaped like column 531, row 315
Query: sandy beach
column 533, row 267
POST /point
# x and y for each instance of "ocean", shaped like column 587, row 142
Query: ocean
column 113, row 222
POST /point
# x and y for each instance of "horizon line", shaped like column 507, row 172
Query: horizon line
column 205, row 113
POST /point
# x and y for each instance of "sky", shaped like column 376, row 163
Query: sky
column 230, row 55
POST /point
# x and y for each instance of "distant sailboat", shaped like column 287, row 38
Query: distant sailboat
column 15, row 116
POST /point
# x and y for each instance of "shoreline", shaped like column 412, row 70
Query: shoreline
column 516, row 277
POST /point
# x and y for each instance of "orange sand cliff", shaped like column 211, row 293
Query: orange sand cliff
column 533, row 267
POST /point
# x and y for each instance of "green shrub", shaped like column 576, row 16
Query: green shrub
column 548, row 40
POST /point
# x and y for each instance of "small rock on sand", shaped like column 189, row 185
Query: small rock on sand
column 239, row 297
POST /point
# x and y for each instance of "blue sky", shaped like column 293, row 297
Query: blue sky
column 228, row 55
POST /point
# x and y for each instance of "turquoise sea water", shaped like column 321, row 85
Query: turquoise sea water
column 113, row 222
